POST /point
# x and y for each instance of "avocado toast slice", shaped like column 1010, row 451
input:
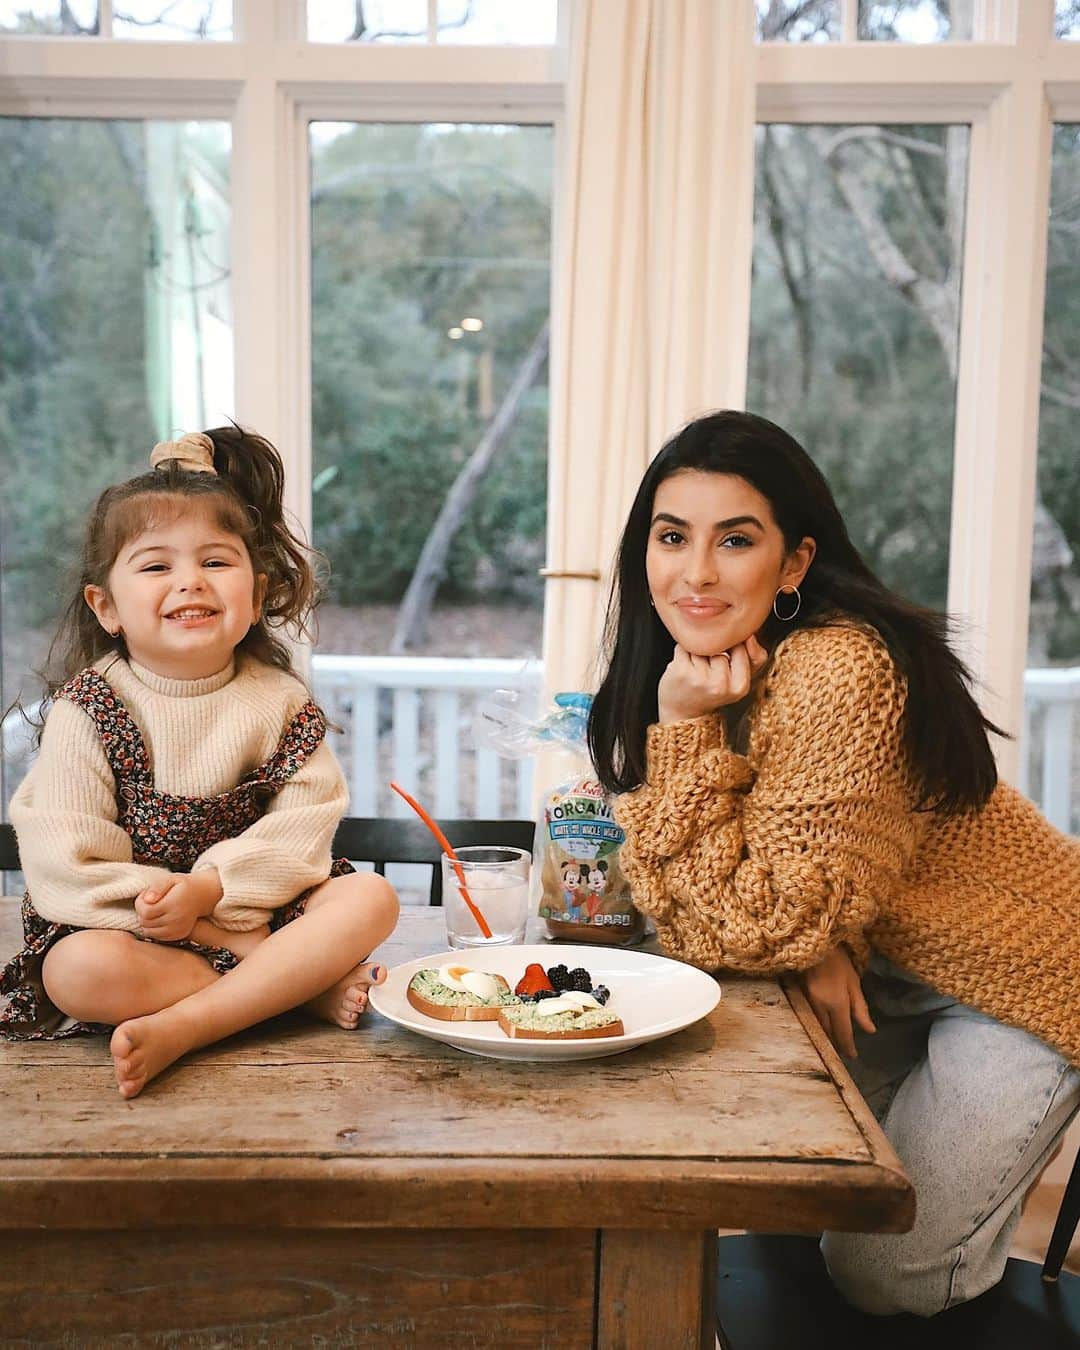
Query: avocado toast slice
column 540, row 1022
column 429, row 995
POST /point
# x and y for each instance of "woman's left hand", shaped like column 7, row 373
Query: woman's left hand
column 835, row 993
column 692, row 686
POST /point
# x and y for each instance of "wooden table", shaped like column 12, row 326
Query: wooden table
column 303, row 1185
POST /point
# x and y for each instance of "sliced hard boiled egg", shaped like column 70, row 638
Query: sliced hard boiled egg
column 481, row 984
column 579, row 999
column 467, row 981
column 451, row 977
column 549, row 1007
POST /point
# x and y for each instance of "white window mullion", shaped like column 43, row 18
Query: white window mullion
column 292, row 20
column 263, row 21
column 849, row 20
column 105, row 18
column 270, row 252
column 998, row 396
column 433, row 20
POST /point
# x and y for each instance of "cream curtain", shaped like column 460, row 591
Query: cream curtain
column 652, row 256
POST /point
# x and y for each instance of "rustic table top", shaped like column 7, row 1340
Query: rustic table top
column 746, row 1119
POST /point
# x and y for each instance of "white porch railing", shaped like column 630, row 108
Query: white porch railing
column 1048, row 741
column 410, row 718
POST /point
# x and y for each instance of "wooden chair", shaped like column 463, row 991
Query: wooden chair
column 380, row 841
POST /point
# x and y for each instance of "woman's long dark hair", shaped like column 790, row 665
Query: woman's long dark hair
column 945, row 734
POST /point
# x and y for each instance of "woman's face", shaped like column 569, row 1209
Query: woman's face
column 715, row 560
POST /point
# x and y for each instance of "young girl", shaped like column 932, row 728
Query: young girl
column 175, row 830
column 808, row 785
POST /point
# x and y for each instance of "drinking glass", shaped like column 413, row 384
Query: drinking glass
column 497, row 880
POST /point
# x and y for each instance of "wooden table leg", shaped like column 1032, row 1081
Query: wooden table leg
column 656, row 1290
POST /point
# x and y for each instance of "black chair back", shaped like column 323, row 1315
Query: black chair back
column 381, row 840
column 9, row 849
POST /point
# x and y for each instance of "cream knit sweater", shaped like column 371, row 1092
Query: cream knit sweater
column 765, row 861
column 203, row 737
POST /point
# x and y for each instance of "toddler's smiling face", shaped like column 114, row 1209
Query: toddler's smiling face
column 183, row 592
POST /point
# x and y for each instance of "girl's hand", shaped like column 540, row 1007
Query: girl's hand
column 835, row 993
column 695, row 685
column 168, row 914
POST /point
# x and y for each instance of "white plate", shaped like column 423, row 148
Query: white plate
column 654, row 997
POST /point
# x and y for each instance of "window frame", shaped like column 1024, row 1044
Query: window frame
column 1010, row 85
column 270, row 82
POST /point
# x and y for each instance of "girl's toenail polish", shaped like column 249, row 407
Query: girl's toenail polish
column 376, row 971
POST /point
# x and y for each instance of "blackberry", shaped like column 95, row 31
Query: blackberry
column 560, row 978
column 580, row 980
column 601, row 993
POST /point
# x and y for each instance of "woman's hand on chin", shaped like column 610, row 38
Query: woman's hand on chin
column 692, row 686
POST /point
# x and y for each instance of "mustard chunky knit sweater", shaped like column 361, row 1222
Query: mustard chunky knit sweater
column 763, row 862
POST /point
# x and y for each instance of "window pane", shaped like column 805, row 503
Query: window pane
column 798, row 20
column 367, row 20
column 1067, row 19
column 77, row 18
column 1053, row 676
column 915, row 20
column 115, row 331
column 494, row 21
column 430, row 279
column 173, row 20
column 854, row 323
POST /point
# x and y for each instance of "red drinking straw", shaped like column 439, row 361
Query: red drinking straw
column 448, row 849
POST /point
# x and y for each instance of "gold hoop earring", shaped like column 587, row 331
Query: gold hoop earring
column 787, row 590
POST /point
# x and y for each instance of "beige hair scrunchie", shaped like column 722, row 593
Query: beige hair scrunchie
column 194, row 451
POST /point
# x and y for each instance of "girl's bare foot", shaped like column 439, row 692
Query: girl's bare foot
column 143, row 1046
column 343, row 1002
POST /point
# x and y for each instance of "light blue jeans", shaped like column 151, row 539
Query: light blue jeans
column 973, row 1108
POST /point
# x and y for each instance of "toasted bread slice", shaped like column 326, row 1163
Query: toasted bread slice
column 448, row 1005
column 523, row 1024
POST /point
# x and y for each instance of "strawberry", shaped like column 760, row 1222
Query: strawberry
column 533, row 981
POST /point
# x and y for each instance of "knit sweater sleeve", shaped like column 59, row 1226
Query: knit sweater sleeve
column 765, row 863
column 77, row 860
column 286, row 850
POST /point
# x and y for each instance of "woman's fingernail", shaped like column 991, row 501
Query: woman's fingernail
column 376, row 972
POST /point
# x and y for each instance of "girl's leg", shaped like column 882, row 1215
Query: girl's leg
column 243, row 944
column 347, row 998
column 973, row 1122
column 295, row 964
column 102, row 975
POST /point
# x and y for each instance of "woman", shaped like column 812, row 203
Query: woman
column 806, row 784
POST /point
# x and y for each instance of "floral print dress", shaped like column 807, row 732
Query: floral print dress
column 165, row 831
